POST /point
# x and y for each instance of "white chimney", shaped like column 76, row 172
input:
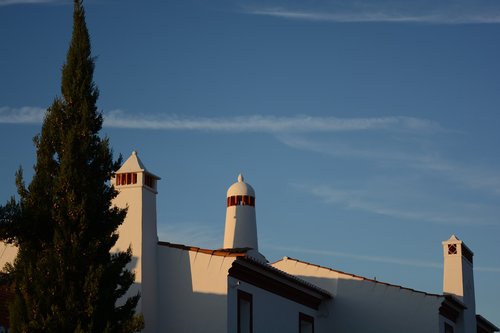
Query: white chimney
column 458, row 279
column 241, row 224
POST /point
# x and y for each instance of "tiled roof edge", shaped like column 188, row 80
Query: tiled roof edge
column 218, row 252
column 288, row 276
column 362, row 277
column 481, row 320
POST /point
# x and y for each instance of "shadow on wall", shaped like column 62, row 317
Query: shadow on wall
column 186, row 304
column 132, row 265
column 366, row 306
column 135, row 287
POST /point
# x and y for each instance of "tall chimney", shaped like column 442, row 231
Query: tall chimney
column 458, row 279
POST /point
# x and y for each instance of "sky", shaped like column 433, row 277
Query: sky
column 369, row 130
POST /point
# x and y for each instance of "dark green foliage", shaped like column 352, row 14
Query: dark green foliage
column 64, row 277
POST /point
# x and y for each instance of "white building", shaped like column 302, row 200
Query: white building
column 235, row 290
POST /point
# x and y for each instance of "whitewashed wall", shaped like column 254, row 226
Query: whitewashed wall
column 7, row 254
column 271, row 313
column 139, row 232
column 192, row 291
column 361, row 305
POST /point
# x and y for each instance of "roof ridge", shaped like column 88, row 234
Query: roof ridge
column 361, row 277
column 288, row 275
column 239, row 252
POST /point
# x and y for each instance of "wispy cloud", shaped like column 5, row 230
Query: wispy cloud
column 20, row 2
column 269, row 124
column 404, row 11
column 361, row 257
column 339, row 17
column 23, row 115
column 255, row 123
column 409, row 150
column 373, row 258
column 378, row 200
column 368, row 17
column 348, row 149
column 301, row 132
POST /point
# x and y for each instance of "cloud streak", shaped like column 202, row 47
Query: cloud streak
column 299, row 132
column 255, row 123
column 269, row 124
column 401, row 11
column 371, row 17
column 22, row 2
column 374, row 201
column 344, row 148
column 374, row 258
column 361, row 257
column 384, row 150
column 23, row 115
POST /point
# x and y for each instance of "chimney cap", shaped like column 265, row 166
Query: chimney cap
column 240, row 188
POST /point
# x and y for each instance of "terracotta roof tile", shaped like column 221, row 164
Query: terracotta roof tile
column 288, row 276
column 219, row 252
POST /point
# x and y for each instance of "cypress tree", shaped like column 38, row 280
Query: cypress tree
column 64, row 278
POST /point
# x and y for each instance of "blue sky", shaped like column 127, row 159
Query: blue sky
column 369, row 130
